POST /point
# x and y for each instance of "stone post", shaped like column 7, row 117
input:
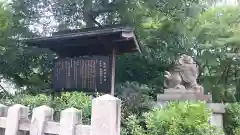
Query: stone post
column 106, row 116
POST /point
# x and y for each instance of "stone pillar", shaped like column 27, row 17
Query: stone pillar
column 218, row 110
column 106, row 116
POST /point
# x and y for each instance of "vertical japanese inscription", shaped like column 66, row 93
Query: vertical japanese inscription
column 82, row 73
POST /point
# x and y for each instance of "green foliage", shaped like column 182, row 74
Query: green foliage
column 134, row 97
column 181, row 118
column 66, row 100
column 165, row 29
column 20, row 64
column 216, row 31
column 176, row 119
column 133, row 127
column 232, row 119
column 4, row 19
column 237, row 131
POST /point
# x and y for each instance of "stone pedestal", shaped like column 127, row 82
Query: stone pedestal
column 218, row 110
column 182, row 95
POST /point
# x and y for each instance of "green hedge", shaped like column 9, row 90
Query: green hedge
column 183, row 118
column 66, row 100
column 232, row 119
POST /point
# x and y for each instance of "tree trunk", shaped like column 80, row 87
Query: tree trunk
column 86, row 10
column 237, row 94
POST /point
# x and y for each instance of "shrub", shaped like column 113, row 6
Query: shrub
column 74, row 99
column 232, row 119
column 236, row 131
column 133, row 126
column 135, row 98
column 177, row 119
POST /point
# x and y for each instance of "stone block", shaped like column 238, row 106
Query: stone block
column 106, row 115
column 217, row 107
column 172, row 91
column 217, row 120
column 183, row 97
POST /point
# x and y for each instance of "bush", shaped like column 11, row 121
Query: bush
column 74, row 99
column 133, row 126
column 232, row 119
column 177, row 119
column 135, row 98
column 236, row 131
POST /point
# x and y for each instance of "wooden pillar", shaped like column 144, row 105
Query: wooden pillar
column 113, row 87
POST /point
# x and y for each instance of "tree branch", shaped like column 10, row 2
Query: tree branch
column 4, row 91
column 105, row 8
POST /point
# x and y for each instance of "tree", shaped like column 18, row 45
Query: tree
column 165, row 29
column 71, row 14
column 217, row 32
column 18, row 61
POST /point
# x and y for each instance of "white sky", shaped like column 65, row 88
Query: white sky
column 228, row 2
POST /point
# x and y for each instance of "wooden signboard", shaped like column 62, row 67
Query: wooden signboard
column 89, row 74
column 72, row 71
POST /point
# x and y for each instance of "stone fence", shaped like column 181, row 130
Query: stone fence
column 105, row 119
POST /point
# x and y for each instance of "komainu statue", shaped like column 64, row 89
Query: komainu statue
column 183, row 75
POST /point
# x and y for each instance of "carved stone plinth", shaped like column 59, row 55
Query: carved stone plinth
column 182, row 95
column 181, row 91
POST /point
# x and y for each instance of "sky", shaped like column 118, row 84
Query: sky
column 229, row 2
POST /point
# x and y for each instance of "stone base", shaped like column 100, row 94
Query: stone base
column 218, row 110
column 183, row 97
column 172, row 91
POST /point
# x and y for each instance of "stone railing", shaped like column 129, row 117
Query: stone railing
column 105, row 119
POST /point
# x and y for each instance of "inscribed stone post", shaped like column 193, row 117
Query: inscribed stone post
column 3, row 113
column 40, row 116
column 68, row 121
column 106, row 116
column 15, row 114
